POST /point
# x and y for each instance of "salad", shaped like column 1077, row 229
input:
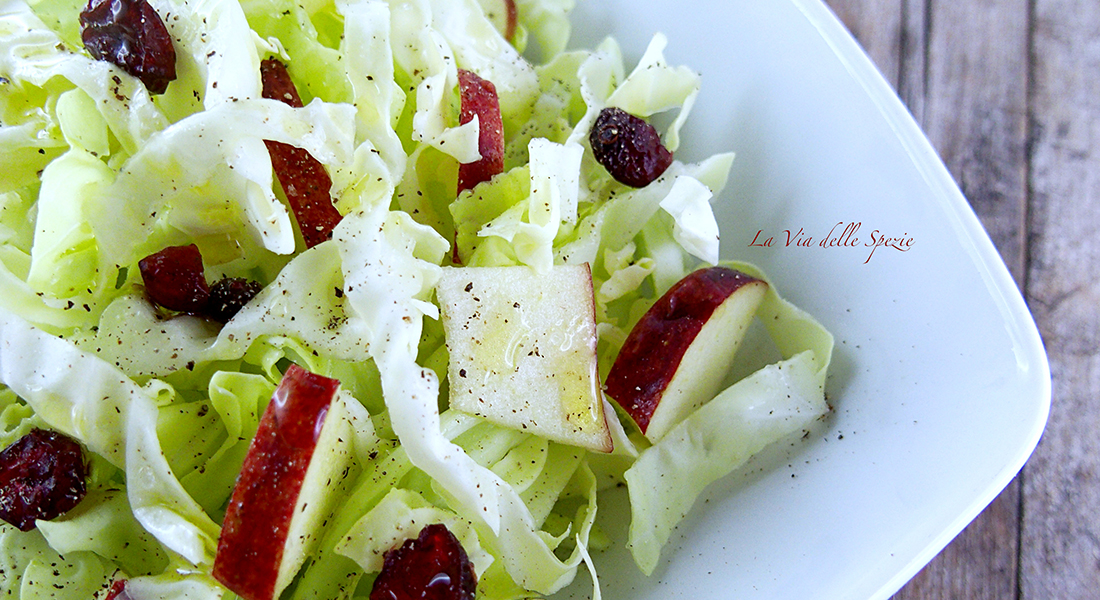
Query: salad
column 236, row 239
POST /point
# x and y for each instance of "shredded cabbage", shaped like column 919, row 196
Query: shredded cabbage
column 99, row 174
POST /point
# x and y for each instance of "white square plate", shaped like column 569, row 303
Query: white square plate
column 939, row 380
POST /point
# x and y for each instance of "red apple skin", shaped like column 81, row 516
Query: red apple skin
column 305, row 181
column 117, row 591
column 250, row 547
column 652, row 351
column 479, row 97
column 513, row 17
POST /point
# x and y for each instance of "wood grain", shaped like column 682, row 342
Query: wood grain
column 976, row 111
column 1060, row 551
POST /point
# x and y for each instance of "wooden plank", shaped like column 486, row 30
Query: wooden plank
column 962, row 69
column 975, row 112
column 893, row 34
column 913, row 56
column 877, row 26
column 980, row 563
column 1060, row 541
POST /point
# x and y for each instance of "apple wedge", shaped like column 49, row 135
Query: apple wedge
column 292, row 472
column 503, row 15
column 523, row 350
column 677, row 356
column 305, row 182
column 479, row 99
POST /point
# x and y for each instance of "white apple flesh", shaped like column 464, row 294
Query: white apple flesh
column 291, row 474
column 680, row 352
column 523, row 350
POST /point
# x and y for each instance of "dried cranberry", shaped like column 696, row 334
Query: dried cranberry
column 434, row 566
column 130, row 34
column 229, row 295
column 628, row 147
column 41, row 477
column 305, row 182
column 174, row 279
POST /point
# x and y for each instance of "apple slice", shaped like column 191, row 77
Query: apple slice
column 292, row 472
column 677, row 356
column 479, row 98
column 306, row 183
column 523, row 350
column 117, row 591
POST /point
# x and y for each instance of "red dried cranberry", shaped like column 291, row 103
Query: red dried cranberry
column 628, row 147
column 41, row 477
column 131, row 35
column 174, row 279
column 305, row 182
column 434, row 566
column 229, row 295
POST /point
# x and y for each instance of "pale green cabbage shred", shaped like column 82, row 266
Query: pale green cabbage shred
column 97, row 174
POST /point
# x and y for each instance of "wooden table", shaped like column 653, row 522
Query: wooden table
column 1008, row 91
